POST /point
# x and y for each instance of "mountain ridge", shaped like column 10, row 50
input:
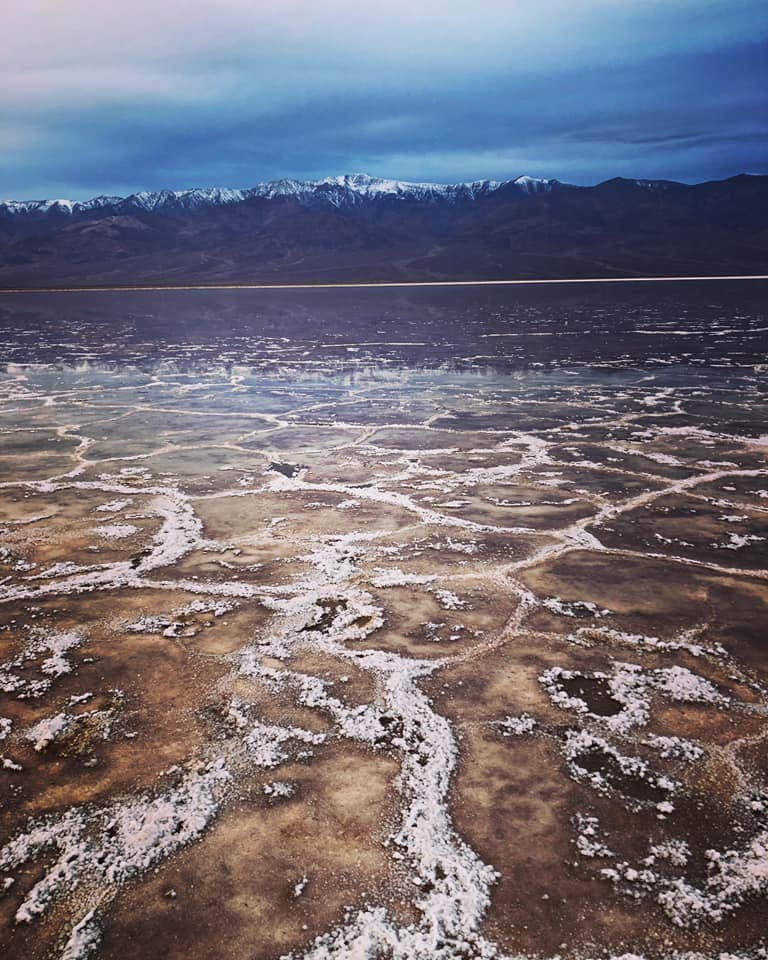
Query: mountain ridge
column 358, row 227
column 327, row 188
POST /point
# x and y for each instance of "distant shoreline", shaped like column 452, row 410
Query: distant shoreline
column 350, row 285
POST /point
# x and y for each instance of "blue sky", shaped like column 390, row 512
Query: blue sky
column 113, row 97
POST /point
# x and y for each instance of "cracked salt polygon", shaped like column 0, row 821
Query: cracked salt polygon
column 448, row 926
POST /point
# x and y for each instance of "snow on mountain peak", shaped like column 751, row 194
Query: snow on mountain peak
column 339, row 191
column 533, row 184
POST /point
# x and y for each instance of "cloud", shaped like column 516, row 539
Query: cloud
column 116, row 97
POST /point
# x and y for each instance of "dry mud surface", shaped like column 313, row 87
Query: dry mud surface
column 322, row 660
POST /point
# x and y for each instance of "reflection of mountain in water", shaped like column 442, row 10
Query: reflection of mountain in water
column 642, row 324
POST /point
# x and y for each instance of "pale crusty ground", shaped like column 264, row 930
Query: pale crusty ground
column 480, row 537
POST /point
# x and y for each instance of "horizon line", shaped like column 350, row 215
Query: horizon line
column 346, row 285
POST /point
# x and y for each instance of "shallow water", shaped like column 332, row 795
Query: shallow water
column 720, row 322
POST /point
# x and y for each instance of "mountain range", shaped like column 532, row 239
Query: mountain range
column 358, row 227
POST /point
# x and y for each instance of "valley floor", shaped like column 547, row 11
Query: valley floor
column 323, row 662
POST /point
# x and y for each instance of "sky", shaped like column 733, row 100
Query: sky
column 112, row 97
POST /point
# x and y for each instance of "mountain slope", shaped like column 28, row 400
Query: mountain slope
column 365, row 228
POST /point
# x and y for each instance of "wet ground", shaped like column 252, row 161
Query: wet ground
column 373, row 624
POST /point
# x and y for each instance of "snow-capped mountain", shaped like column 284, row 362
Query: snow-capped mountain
column 369, row 228
column 57, row 206
column 351, row 188
column 342, row 191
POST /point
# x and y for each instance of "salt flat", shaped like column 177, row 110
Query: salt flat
column 349, row 624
